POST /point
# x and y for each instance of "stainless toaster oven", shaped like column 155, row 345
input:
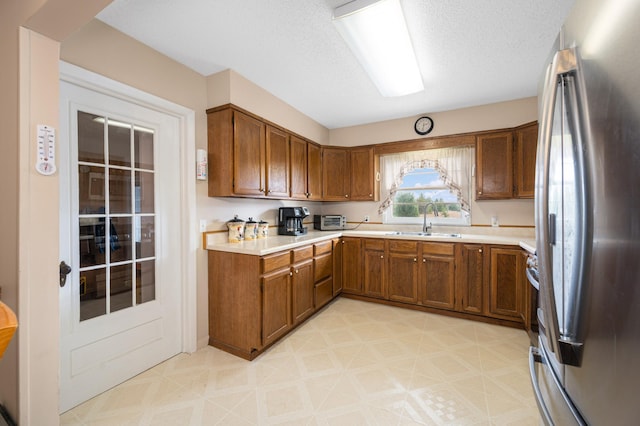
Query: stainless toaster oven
column 329, row 222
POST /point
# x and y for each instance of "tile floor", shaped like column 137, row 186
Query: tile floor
column 354, row 363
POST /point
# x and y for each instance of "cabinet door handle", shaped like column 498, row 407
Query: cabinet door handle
column 297, row 271
column 479, row 192
column 415, row 260
column 381, row 257
column 370, row 195
column 343, row 242
column 290, row 273
column 424, row 260
column 346, row 195
column 479, row 250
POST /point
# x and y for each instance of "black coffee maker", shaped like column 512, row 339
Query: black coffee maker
column 290, row 220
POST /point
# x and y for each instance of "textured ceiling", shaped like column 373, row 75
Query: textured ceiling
column 471, row 52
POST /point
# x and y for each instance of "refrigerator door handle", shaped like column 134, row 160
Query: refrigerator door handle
column 564, row 344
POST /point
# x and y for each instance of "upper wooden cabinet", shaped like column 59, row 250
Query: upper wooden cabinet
column 246, row 156
column 306, row 170
column 494, row 166
column 362, row 171
column 348, row 174
column 505, row 163
column 277, row 163
column 335, row 174
column 525, row 160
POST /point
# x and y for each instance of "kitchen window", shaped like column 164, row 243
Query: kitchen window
column 437, row 180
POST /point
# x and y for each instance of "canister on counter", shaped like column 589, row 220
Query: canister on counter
column 263, row 229
column 236, row 230
column 251, row 229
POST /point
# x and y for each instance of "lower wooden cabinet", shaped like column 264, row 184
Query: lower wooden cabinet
column 437, row 275
column 303, row 289
column 374, row 268
column 351, row 265
column 470, row 279
column 276, row 305
column 506, row 284
column 256, row 300
column 484, row 280
column 403, row 271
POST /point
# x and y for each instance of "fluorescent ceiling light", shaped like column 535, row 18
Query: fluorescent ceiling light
column 376, row 32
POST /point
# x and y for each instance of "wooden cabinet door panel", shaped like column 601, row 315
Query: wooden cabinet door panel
column 362, row 179
column 337, row 265
column 276, row 308
column 505, row 290
column 277, row 163
column 298, row 168
column 403, row 277
column 302, row 291
column 437, row 283
column 470, row 279
column 323, row 292
column 314, row 172
column 322, row 267
column 374, row 273
column 248, row 155
column 335, row 174
column 525, row 161
column 494, row 166
column 351, row 266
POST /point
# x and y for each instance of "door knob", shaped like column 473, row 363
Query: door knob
column 64, row 271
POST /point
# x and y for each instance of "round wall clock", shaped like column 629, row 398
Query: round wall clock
column 423, row 125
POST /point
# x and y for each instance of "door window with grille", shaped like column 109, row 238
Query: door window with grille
column 116, row 215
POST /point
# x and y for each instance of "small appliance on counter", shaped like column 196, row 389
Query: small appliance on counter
column 290, row 220
column 329, row 222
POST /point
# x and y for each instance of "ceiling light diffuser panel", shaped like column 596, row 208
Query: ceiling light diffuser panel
column 376, row 32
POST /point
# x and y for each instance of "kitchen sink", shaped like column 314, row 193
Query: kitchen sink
column 426, row 234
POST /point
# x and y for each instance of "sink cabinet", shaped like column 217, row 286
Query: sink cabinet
column 437, row 275
column 403, row 271
column 476, row 281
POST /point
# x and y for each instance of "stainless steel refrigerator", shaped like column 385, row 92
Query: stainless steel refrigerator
column 586, row 368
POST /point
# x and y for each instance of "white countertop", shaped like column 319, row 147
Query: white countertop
column 276, row 243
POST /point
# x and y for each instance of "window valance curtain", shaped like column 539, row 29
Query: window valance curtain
column 454, row 165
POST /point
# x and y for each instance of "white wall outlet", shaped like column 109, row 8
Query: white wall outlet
column 203, row 225
column 366, row 218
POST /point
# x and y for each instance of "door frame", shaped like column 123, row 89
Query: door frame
column 189, row 241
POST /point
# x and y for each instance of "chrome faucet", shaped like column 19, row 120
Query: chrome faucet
column 426, row 228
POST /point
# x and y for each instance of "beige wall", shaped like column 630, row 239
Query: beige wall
column 485, row 117
column 473, row 119
column 230, row 87
column 29, row 226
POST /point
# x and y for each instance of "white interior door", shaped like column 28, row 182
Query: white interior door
column 120, row 174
